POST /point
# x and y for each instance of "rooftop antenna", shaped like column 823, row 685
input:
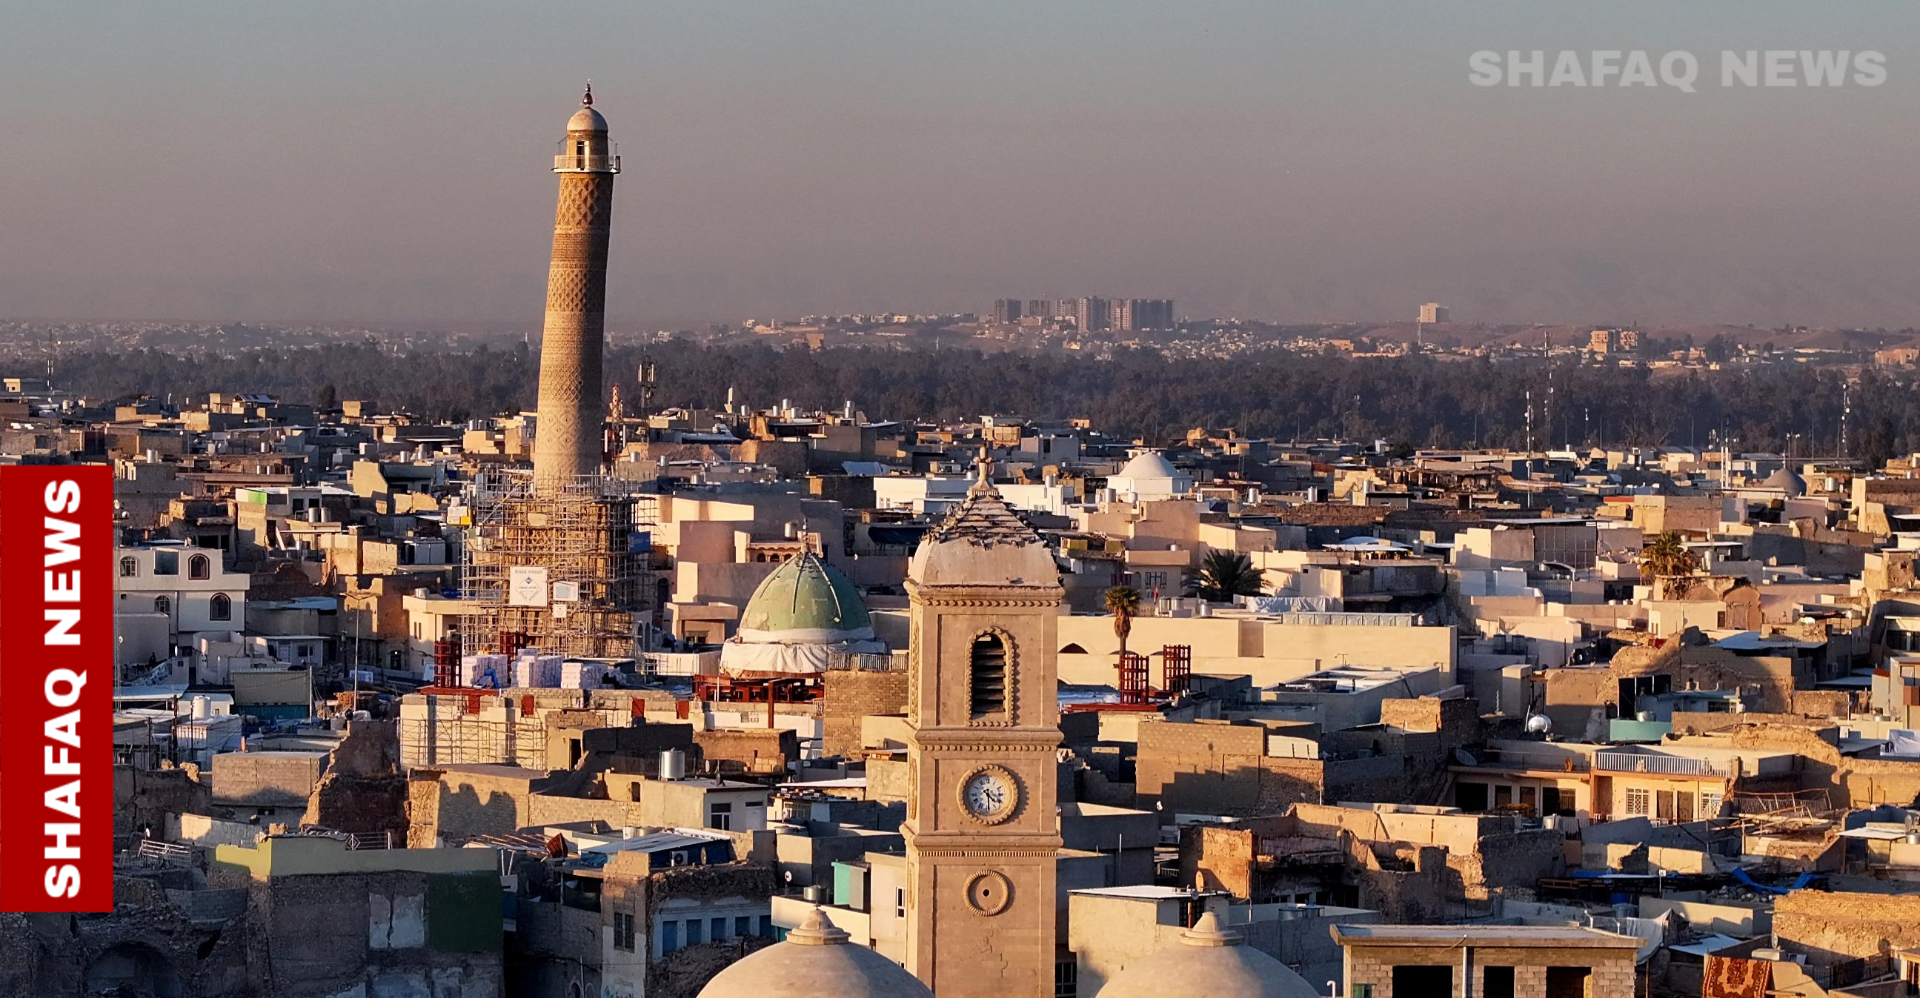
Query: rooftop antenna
column 648, row 378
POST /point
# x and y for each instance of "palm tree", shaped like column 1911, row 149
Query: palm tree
column 1222, row 576
column 1124, row 603
column 1666, row 559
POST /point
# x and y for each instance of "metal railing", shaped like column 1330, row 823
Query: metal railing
column 569, row 163
column 1658, row 765
column 1523, row 759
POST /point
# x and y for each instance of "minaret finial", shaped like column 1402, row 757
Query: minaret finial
column 586, row 99
column 985, row 464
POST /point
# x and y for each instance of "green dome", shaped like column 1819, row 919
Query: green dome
column 805, row 600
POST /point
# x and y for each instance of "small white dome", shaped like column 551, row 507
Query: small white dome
column 586, row 120
column 1148, row 464
column 816, row 961
column 1208, row 962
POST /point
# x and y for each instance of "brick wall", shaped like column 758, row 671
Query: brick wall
column 754, row 751
column 849, row 696
column 1613, row 974
column 1213, row 768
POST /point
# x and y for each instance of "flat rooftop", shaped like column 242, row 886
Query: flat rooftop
column 1481, row 935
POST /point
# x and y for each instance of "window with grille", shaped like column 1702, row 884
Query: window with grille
column 623, row 931
column 1710, row 804
column 1639, row 802
column 989, row 675
column 129, row 567
column 1066, row 979
column 162, row 604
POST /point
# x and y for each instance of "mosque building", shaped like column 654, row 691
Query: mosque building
column 798, row 622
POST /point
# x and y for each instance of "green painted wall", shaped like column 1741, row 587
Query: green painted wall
column 463, row 912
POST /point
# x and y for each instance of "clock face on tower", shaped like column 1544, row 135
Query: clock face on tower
column 989, row 794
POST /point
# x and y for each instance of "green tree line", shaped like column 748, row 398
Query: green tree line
column 1409, row 401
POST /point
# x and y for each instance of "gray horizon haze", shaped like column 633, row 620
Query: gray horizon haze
column 1296, row 162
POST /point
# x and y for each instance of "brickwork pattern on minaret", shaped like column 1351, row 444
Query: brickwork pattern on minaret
column 567, row 443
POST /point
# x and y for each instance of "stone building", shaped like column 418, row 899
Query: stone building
column 981, row 833
column 1497, row 961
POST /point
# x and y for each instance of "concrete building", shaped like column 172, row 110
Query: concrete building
column 190, row 587
column 1486, row 961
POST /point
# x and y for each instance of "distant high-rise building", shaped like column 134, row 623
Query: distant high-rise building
column 1602, row 342
column 1150, row 313
column 1040, row 308
column 1089, row 314
column 1432, row 312
column 1006, row 310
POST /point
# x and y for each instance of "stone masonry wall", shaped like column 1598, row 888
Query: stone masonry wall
column 1839, row 926
column 850, row 696
column 1613, row 973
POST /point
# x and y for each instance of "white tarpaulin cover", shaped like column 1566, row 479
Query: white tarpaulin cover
column 1293, row 604
column 737, row 656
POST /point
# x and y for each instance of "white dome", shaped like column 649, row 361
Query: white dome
column 1208, row 962
column 816, row 961
column 586, row 120
column 1149, row 464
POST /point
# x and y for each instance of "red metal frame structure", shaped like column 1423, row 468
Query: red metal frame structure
column 1133, row 678
column 446, row 662
column 1176, row 668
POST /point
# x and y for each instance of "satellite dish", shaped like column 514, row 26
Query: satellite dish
column 1539, row 724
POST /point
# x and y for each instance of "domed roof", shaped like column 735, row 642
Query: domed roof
column 1149, row 464
column 805, row 600
column 816, row 961
column 586, row 119
column 1786, row 481
column 1208, row 962
column 983, row 542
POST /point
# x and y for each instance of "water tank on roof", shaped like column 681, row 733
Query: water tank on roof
column 202, row 708
column 1539, row 724
column 673, row 764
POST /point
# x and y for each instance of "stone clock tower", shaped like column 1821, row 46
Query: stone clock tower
column 981, row 828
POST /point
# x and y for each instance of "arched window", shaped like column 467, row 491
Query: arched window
column 988, row 688
column 220, row 607
column 199, row 568
column 129, row 567
column 161, row 604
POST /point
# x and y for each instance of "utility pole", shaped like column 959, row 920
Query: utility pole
column 1529, row 423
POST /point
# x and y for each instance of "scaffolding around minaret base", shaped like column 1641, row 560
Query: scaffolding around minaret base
column 587, row 545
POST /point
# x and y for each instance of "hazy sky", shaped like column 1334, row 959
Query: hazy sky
column 388, row 161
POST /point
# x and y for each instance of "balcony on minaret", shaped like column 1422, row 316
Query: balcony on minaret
column 587, row 154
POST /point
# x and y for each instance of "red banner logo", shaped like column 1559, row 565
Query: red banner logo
column 56, row 742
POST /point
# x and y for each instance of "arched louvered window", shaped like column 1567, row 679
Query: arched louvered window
column 988, row 688
column 220, row 607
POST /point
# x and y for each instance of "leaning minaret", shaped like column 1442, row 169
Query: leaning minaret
column 567, row 440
